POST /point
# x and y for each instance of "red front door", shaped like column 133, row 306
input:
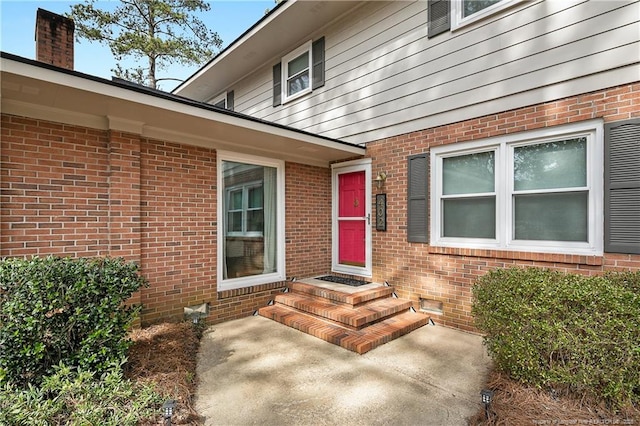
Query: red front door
column 352, row 219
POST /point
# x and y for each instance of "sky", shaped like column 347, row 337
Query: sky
column 229, row 18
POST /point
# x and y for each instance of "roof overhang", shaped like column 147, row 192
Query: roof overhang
column 290, row 24
column 41, row 91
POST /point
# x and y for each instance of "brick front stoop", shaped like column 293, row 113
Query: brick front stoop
column 358, row 321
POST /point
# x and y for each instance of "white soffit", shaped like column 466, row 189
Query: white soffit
column 43, row 92
column 289, row 25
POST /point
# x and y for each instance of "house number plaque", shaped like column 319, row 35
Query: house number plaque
column 381, row 212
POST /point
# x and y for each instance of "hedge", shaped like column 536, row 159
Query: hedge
column 552, row 329
column 61, row 310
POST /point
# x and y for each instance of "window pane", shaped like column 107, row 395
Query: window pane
column 251, row 246
column 469, row 174
column 255, row 197
column 560, row 164
column 551, row 217
column 235, row 202
column 469, row 7
column 254, row 220
column 298, row 84
column 234, row 221
column 469, row 217
column 299, row 64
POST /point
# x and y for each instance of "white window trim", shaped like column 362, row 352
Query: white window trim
column 457, row 21
column 221, row 97
column 592, row 129
column 307, row 47
column 280, row 274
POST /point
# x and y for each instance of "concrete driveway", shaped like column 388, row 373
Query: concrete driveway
column 254, row 371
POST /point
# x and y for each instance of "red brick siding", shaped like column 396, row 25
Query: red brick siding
column 447, row 275
column 308, row 220
column 178, row 215
column 55, row 195
column 72, row 191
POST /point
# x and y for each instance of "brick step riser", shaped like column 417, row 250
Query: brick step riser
column 357, row 341
column 352, row 322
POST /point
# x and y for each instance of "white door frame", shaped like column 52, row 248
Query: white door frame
column 337, row 169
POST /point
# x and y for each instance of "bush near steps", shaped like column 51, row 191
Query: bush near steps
column 566, row 332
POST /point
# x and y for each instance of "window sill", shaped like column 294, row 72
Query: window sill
column 225, row 294
column 295, row 96
column 520, row 255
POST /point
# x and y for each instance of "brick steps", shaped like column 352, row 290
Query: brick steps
column 358, row 321
column 344, row 314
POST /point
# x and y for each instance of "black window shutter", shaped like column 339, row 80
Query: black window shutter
column 417, row 182
column 439, row 17
column 230, row 100
column 317, row 61
column 622, row 187
column 277, row 84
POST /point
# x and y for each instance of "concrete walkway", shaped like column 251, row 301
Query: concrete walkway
column 254, row 371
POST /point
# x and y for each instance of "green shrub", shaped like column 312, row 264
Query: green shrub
column 66, row 310
column 547, row 328
column 73, row 397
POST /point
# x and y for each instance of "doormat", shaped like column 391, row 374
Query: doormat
column 341, row 280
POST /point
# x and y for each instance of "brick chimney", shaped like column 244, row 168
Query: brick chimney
column 54, row 39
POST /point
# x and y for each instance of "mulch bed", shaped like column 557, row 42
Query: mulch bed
column 516, row 404
column 165, row 354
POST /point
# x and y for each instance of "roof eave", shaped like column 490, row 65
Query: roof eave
column 42, row 91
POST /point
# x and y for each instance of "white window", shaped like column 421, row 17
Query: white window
column 536, row 191
column 220, row 100
column 464, row 12
column 245, row 210
column 296, row 73
column 251, row 221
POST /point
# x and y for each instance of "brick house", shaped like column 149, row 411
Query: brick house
column 418, row 143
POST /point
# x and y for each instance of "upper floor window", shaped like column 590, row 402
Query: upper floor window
column 466, row 11
column 296, row 73
column 299, row 72
column 445, row 15
column 471, row 7
column 223, row 100
column 539, row 191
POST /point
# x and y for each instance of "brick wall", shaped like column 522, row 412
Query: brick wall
column 178, row 210
column 69, row 190
column 55, row 195
column 445, row 274
column 73, row 191
column 308, row 224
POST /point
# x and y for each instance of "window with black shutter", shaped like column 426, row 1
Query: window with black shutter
column 277, row 84
column 299, row 72
column 417, row 182
column 622, row 187
column 230, row 100
column 439, row 17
